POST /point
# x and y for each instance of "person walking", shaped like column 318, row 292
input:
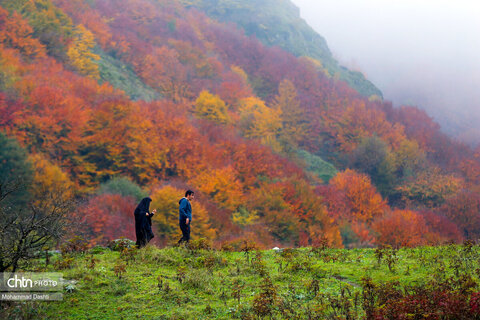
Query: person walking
column 185, row 215
column 143, row 222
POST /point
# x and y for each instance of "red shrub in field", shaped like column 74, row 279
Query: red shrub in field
column 475, row 304
column 430, row 304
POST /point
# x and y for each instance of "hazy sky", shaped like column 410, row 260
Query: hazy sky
column 418, row 52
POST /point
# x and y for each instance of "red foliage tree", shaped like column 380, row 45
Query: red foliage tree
column 107, row 217
column 464, row 210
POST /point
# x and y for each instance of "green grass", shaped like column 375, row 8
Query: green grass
column 315, row 164
column 177, row 283
column 122, row 76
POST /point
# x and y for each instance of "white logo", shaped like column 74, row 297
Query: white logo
column 19, row 283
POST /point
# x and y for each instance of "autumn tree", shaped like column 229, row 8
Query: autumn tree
column 49, row 179
column 409, row 159
column 211, row 107
column 165, row 200
column 364, row 203
column 234, row 87
column 347, row 128
column 442, row 229
column 276, row 213
column 50, row 24
column 222, row 186
column 15, row 32
column 429, row 188
column 314, row 222
column 106, row 217
column 162, row 70
column 8, row 109
column 258, row 121
column 294, row 122
column 464, row 209
column 80, row 54
column 401, row 228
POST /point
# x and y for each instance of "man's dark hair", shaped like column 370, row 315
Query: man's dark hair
column 189, row 192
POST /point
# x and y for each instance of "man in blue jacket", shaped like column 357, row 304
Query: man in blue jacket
column 185, row 215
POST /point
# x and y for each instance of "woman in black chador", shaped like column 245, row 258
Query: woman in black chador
column 143, row 222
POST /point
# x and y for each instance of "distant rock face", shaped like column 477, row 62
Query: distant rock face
column 278, row 23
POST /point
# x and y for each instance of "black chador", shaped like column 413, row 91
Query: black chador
column 143, row 223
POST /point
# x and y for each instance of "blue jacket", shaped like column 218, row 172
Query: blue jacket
column 185, row 210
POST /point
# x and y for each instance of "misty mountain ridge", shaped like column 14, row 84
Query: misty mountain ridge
column 278, row 23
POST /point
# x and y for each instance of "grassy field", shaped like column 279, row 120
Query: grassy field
column 305, row 283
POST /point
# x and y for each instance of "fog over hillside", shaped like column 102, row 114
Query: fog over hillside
column 423, row 53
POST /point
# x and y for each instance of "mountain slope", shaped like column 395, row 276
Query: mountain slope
column 172, row 99
column 278, row 23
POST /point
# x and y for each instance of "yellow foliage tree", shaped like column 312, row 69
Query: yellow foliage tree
column 240, row 72
column 80, row 55
column 49, row 182
column 211, row 107
column 244, row 217
column 260, row 122
column 165, row 200
column 409, row 158
column 294, row 122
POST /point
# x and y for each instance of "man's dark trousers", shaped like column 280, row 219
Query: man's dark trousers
column 185, row 231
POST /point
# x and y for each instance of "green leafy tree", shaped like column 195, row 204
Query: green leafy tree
column 374, row 158
column 122, row 186
column 27, row 223
column 16, row 173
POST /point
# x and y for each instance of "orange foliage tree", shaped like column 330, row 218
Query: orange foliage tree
column 358, row 121
column 401, row 228
column 364, row 202
column 162, row 70
column 15, row 32
column 314, row 222
column 222, row 186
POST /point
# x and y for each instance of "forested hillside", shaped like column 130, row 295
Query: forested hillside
column 278, row 23
column 119, row 99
